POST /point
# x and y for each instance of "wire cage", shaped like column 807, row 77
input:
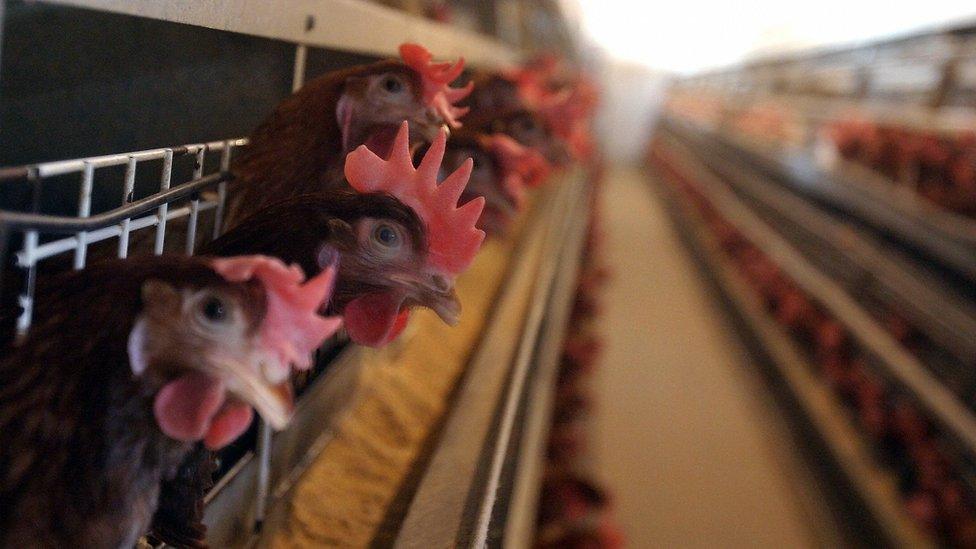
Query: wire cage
column 153, row 201
column 190, row 192
column 45, row 236
column 167, row 199
column 858, row 274
column 65, row 214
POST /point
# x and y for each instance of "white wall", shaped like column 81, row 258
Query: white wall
column 691, row 35
column 631, row 98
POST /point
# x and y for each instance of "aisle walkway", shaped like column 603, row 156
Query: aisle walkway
column 682, row 436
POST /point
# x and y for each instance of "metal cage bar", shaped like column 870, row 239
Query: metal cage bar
column 26, row 299
column 84, row 229
column 194, row 214
column 262, row 487
column 84, row 210
column 127, row 192
column 132, row 215
column 164, row 207
column 222, row 190
column 45, row 170
column 298, row 75
column 348, row 25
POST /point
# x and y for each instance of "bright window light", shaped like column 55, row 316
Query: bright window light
column 691, row 35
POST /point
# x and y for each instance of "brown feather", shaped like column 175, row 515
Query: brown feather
column 82, row 456
column 299, row 145
column 293, row 230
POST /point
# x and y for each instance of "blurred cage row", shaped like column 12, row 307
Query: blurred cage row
column 120, row 121
column 830, row 195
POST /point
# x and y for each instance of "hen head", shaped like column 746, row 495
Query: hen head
column 494, row 92
column 399, row 236
column 374, row 103
column 452, row 240
column 382, row 248
column 531, row 130
column 227, row 342
column 500, row 205
column 503, row 170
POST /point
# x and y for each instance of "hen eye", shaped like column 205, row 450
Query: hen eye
column 392, row 85
column 386, row 236
column 214, row 310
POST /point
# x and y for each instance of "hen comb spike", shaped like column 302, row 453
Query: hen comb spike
column 451, row 234
column 525, row 162
column 519, row 166
column 291, row 328
column 436, row 78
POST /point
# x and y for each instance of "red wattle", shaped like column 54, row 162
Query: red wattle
column 381, row 142
column 185, row 406
column 229, row 423
column 401, row 322
column 375, row 319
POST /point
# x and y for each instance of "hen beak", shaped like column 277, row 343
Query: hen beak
column 446, row 305
column 428, row 123
column 435, row 292
column 261, row 384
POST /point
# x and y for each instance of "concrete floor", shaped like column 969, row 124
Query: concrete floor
column 683, row 436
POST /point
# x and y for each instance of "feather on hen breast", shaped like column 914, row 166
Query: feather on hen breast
column 129, row 364
column 301, row 147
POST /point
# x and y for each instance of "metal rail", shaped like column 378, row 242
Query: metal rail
column 77, row 165
column 818, row 408
column 455, row 501
column 538, row 401
column 86, row 229
column 71, row 224
column 349, row 25
column 946, row 316
column 922, row 66
column 893, row 361
column 950, row 244
column 525, row 358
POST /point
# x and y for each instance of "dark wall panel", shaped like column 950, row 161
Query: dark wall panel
column 77, row 82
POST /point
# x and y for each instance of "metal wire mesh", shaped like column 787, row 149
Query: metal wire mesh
column 136, row 202
column 42, row 235
column 38, row 236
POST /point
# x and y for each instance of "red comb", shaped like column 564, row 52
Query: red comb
column 436, row 78
column 567, row 112
column 521, row 166
column 531, row 78
column 514, row 157
column 292, row 327
column 451, row 233
column 530, row 87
